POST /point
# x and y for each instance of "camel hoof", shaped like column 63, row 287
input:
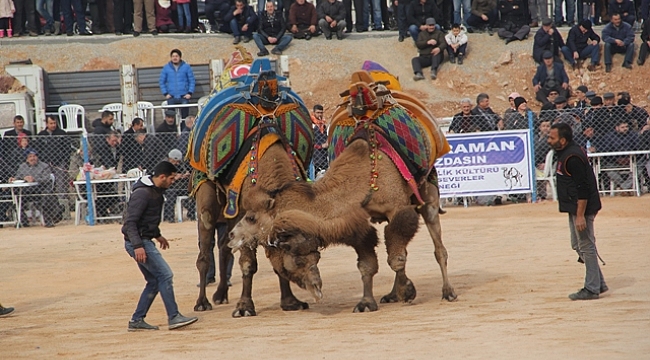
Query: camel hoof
column 449, row 295
column 390, row 298
column 408, row 293
column 245, row 308
column 220, row 296
column 203, row 305
column 365, row 306
column 243, row 313
column 293, row 304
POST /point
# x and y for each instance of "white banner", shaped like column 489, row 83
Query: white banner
column 486, row 163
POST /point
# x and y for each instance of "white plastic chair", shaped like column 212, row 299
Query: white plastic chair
column 549, row 173
column 70, row 113
column 145, row 112
column 116, row 108
column 178, row 208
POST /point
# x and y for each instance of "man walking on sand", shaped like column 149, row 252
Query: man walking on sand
column 139, row 229
column 578, row 195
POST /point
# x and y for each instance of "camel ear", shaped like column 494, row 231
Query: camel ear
column 270, row 203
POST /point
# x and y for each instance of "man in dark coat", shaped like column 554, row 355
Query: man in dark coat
column 550, row 76
column 271, row 31
column 578, row 196
column 331, row 18
column 303, row 20
column 618, row 37
column 514, row 19
column 243, row 21
column 547, row 38
column 645, row 43
column 582, row 43
column 55, row 149
column 417, row 13
column 431, row 44
column 625, row 8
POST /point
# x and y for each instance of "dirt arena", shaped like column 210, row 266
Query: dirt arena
column 75, row 288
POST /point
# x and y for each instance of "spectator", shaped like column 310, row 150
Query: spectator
column 186, row 125
column 582, row 43
column 183, row 11
column 467, row 10
column 44, row 8
column 7, row 10
column 550, row 76
column 547, row 38
column 587, row 140
column 570, row 7
column 123, row 13
column 358, row 18
column 581, row 98
column 519, row 119
column 149, row 9
column 371, row 12
column 514, row 18
column 637, row 114
column 485, row 119
column 271, row 32
column 107, row 154
column 320, row 157
column 463, row 122
column 566, row 115
column 538, row 11
column 130, row 148
column 511, row 100
column 431, row 44
column 25, row 13
column 625, row 8
column 9, row 142
column 645, row 43
column 621, row 139
column 402, row 8
column 484, row 15
column 303, row 20
column 243, row 21
column 597, row 118
column 164, row 22
column 541, row 150
column 456, row 44
column 66, row 9
column 589, row 95
column 177, row 81
column 180, row 187
column 417, row 14
column 151, row 151
column 331, row 17
column 618, row 37
column 55, row 147
column 222, row 6
column 104, row 124
column 184, row 137
column 19, row 153
column 33, row 170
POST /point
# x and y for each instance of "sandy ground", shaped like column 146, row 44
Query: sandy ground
column 74, row 289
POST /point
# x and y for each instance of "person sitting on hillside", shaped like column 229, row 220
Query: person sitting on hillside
column 582, row 43
column 331, row 18
column 618, row 37
column 303, row 20
column 243, row 21
column 547, row 38
column 484, row 16
column 431, row 44
column 271, row 31
column 637, row 114
column 644, row 50
column 550, row 76
column 514, row 19
column 417, row 14
column 623, row 7
column 456, row 44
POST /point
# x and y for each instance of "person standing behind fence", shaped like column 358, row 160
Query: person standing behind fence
column 9, row 142
column 177, row 81
column 320, row 157
column 55, row 148
column 141, row 226
column 578, row 196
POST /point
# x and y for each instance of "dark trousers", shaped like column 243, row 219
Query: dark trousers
column 123, row 15
column 462, row 50
column 402, row 22
column 477, row 22
column 542, row 94
column 79, row 11
column 643, row 51
column 358, row 20
column 25, row 12
column 212, row 7
column 47, row 203
column 423, row 61
column 347, row 4
column 611, row 49
column 519, row 33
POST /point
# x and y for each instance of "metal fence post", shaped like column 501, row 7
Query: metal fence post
column 90, row 217
column 533, row 168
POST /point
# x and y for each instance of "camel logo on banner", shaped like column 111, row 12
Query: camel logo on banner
column 486, row 163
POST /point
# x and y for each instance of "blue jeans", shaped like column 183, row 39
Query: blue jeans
column 570, row 10
column 236, row 29
column 414, row 30
column 184, row 110
column 615, row 49
column 467, row 4
column 45, row 7
column 159, row 279
column 184, row 13
column 376, row 12
column 281, row 44
column 66, row 9
column 591, row 51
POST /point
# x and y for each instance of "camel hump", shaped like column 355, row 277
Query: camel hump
column 361, row 76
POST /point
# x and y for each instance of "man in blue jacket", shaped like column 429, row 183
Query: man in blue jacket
column 177, row 81
column 550, row 76
column 141, row 226
column 618, row 37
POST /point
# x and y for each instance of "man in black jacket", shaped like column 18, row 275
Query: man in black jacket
column 243, row 21
column 578, row 196
column 272, row 31
column 514, row 18
column 431, row 44
column 582, row 43
column 547, row 38
column 418, row 12
column 331, row 17
column 644, row 49
column 55, row 148
column 141, row 226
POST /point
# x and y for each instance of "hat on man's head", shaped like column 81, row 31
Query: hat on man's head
column 547, row 22
column 624, row 95
column 430, row 21
column 586, row 24
column 518, row 101
column 590, row 94
column 597, row 100
column 176, row 155
column 547, row 55
column 170, row 112
column 513, row 96
column 559, row 100
column 31, row 151
column 608, row 95
column 582, row 89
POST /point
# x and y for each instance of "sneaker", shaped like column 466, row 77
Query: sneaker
column 276, row 52
column 6, row 310
column 33, row 33
column 418, row 77
column 179, row 321
column 603, row 289
column 452, row 59
column 460, row 60
column 246, row 39
column 140, row 325
column 400, row 38
column 328, row 37
column 154, row 33
column 308, row 37
column 118, row 33
column 262, row 53
column 583, row 294
column 136, row 33
column 627, row 65
column 237, row 40
column 639, row 62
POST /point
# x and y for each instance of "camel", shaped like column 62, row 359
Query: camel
column 274, row 124
column 299, row 218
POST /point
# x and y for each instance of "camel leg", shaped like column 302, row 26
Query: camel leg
column 220, row 296
column 288, row 301
column 206, row 204
column 398, row 233
column 430, row 213
column 248, row 265
column 368, row 266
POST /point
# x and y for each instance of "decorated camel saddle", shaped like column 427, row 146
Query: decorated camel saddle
column 395, row 124
column 239, row 122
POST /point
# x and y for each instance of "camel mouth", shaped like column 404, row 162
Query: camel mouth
column 316, row 292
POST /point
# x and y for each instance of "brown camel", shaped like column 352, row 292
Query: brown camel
column 344, row 187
